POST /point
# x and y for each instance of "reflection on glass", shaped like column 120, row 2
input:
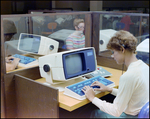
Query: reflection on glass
column 76, row 39
column 137, row 25
column 14, row 27
column 44, row 25
column 56, row 27
column 104, row 36
column 9, row 31
column 65, row 27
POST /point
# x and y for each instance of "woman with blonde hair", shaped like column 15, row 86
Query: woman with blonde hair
column 133, row 91
column 77, row 39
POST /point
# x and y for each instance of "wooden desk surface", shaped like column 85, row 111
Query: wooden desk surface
column 70, row 104
column 20, row 68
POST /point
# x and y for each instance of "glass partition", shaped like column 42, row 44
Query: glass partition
column 12, row 27
column 41, row 23
column 110, row 23
column 55, row 26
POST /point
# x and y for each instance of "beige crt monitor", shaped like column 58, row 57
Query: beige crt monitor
column 105, row 36
column 64, row 66
column 36, row 44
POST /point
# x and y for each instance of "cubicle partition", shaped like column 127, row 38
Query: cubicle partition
column 26, row 98
column 22, row 95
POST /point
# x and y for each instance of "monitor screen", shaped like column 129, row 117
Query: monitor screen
column 71, row 59
column 29, row 43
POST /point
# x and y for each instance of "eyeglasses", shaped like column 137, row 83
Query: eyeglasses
column 112, row 52
column 81, row 27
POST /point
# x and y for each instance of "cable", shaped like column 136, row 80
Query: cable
column 122, row 68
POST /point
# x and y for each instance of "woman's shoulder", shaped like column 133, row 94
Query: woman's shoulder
column 128, row 75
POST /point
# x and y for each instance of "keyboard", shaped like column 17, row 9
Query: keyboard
column 75, row 91
column 26, row 61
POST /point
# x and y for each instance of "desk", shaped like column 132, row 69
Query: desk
column 71, row 104
column 43, row 99
column 21, row 68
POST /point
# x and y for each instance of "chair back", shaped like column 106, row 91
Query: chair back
column 52, row 25
column 144, row 112
column 51, row 28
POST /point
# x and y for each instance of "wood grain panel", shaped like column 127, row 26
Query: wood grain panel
column 9, row 88
column 35, row 100
column 88, row 28
column 95, row 32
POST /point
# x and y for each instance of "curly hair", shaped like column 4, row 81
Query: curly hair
column 78, row 21
column 122, row 39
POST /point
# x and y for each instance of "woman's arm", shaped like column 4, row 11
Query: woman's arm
column 69, row 43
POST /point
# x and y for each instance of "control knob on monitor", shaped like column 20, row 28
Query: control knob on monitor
column 101, row 42
column 51, row 47
column 46, row 68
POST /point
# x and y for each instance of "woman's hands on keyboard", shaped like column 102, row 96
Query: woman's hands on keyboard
column 11, row 63
column 9, row 59
column 16, row 61
column 89, row 92
column 95, row 86
column 102, row 88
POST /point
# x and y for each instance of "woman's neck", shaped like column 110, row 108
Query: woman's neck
column 130, row 58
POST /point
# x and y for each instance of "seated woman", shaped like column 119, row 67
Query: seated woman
column 77, row 39
column 133, row 91
column 9, row 31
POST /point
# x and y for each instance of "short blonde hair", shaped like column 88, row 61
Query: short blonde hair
column 78, row 21
column 123, row 39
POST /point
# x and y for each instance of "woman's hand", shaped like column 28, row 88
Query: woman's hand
column 101, row 88
column 89, row 92
column 11, row 63
column 9, row 59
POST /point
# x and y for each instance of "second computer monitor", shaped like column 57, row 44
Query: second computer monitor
column 104, row 37
column 37, row 44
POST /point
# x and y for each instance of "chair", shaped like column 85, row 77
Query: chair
column 144, row 112
column 120, row 25
column 51, row 26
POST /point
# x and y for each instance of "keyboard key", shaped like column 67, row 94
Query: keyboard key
column 95, row 87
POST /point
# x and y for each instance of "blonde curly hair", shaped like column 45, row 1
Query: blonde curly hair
column 78, row 21
column 122, row 39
